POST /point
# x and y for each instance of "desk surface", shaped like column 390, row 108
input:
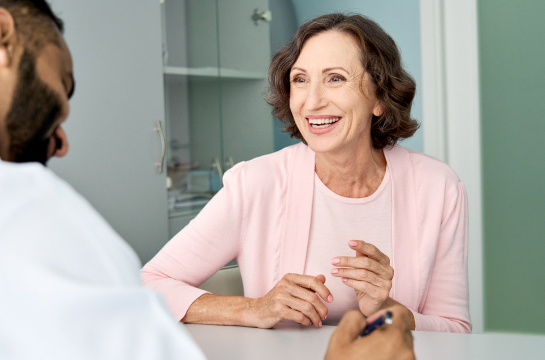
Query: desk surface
column 297, row 342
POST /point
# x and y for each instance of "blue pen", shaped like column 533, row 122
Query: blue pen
column 384, row 319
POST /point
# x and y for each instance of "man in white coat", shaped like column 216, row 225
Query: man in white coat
column 69, row 285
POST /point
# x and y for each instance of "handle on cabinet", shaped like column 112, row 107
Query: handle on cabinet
column 159, row 129
column 217, row 166
column 258, row 15
column 229, row 163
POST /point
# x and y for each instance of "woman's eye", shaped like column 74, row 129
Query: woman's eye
column 337, row 78
column 298, row 80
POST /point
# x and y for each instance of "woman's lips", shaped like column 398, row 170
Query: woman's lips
column 322, row 125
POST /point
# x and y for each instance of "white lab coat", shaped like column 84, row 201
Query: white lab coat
column 69, row 285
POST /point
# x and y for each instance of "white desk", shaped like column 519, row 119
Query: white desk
column 297, row 342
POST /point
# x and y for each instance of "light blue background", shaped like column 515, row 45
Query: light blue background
column 399, row 18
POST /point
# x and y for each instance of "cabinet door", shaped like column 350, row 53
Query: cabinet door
column 245, row 46
column 116, row 47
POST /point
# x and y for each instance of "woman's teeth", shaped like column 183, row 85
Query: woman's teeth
column 323, row 123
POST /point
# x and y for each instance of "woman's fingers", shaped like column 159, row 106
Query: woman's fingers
column 376, row 293
column 296, row 298
column 311, row 299
column 296, row 316
column 305, row 308
column 364, row 262
column 312, row 283
column 321, row 278
column 369, row 250
column 362, row 275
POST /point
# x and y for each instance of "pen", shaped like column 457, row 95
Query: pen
column 384, row 319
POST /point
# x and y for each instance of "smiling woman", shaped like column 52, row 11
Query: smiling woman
column 372, row 66
column 348, row 202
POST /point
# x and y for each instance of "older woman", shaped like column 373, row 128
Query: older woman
column 347, row 202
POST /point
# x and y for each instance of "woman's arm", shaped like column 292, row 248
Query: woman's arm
column 203, row 247
column 211, row 240
column 446, row 306
column 295, row 297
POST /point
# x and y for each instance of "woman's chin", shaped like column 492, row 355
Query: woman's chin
column 321, row 145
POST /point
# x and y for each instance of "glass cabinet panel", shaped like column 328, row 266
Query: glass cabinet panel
column 245, row 47
column 192, row 92
column 216, row 56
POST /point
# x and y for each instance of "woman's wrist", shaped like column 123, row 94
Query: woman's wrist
column 213, row 309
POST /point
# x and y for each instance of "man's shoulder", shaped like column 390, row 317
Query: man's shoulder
column 43, row 218
column 31, row 185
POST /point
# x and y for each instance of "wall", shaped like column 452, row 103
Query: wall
column 512, row 65
column 399, row 18
column 283, row 26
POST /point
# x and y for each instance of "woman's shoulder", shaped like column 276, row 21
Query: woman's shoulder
column 270, row 174
column 272, row 166
column 426, row 169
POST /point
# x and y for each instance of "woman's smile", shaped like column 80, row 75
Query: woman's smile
column 321, row 124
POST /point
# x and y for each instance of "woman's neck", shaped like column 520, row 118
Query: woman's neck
column 352, row 174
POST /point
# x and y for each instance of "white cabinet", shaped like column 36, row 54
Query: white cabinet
column 116, row 47
column 208, row 94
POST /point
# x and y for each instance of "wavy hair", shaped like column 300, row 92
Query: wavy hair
column 394, row 87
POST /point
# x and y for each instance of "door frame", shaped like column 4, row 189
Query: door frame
column 451, row 115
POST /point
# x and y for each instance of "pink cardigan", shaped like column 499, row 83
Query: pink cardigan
column 262, row 218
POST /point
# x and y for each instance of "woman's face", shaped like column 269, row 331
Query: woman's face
column 331, row 98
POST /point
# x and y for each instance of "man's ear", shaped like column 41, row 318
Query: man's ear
column 7, row 37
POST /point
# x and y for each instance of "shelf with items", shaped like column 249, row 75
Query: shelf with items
column 215, row 61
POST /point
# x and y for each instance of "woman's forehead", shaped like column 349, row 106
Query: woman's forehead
column 330, row 49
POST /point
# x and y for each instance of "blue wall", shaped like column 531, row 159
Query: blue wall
column 399, row 18
column 284, row 24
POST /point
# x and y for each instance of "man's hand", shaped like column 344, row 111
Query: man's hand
column 389, row 342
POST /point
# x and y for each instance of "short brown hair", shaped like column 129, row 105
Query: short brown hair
column 35, row 22
column 380, row 58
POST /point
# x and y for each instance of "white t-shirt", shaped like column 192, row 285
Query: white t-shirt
column 335, row 221
column 69, row 285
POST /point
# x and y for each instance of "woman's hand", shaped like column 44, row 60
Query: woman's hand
column 295, row 297
column 369, row 273
column 393, row 341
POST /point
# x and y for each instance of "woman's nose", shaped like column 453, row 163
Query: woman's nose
column 316, row 97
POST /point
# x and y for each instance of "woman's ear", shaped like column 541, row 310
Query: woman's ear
column 7, row 37
column 378, row 110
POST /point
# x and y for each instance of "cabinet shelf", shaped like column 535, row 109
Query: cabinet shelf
column 176, row 73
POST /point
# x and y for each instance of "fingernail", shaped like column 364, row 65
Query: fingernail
column 345, row 279
column 325, row 316
column 320, row 324
column 334, row 271
column 353, row 243
column 329, row 299
column 335, row 261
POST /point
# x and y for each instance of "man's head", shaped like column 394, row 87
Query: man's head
column 36, row 82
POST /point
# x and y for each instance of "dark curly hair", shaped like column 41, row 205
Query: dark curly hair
column 380, row 58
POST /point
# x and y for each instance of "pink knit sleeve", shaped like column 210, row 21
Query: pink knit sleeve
column 446, row 307
column 203, row 247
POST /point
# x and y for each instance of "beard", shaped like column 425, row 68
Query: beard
column 33, row 112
